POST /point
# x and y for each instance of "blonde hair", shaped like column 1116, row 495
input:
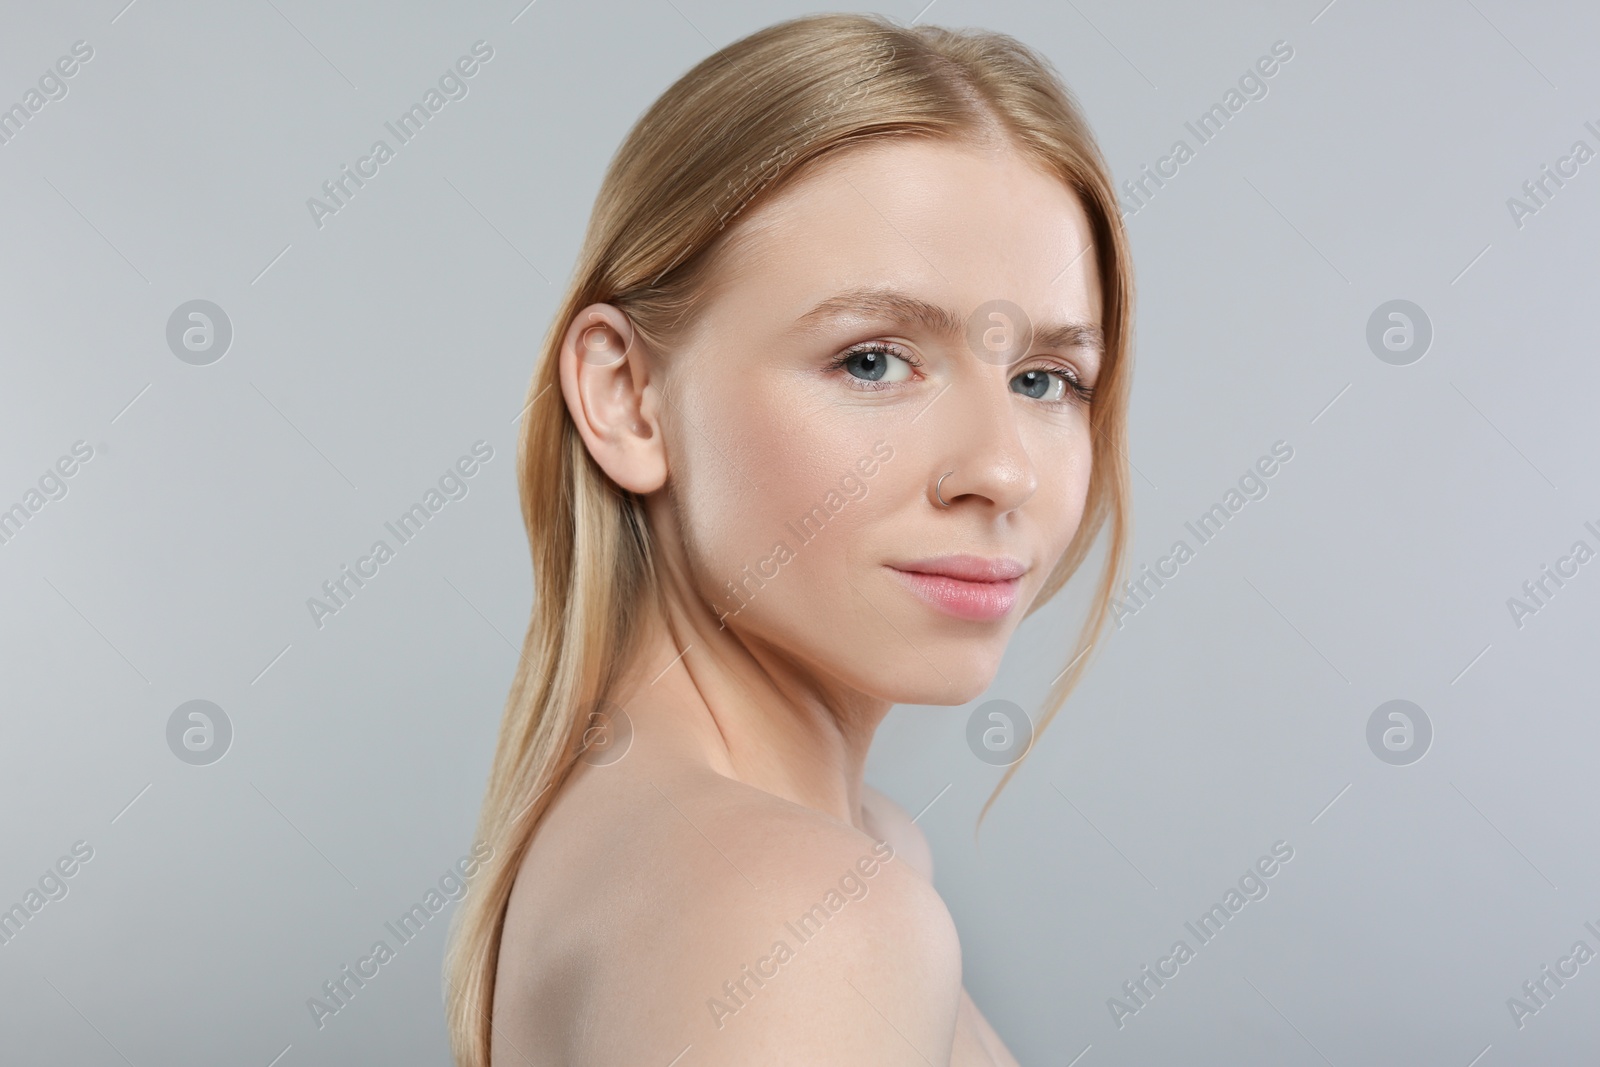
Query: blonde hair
column 739, row 126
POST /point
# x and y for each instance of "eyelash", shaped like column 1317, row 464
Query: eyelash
column 1078, row 392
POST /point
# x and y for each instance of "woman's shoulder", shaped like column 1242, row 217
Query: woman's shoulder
column 692, row 908
column 894, row 824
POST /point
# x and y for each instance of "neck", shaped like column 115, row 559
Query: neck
column 748, row 710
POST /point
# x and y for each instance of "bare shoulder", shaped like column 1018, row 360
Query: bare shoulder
column 820, row 922
column 715, row 916
column 895, row 825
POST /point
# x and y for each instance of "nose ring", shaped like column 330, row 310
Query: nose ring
column 936, row 486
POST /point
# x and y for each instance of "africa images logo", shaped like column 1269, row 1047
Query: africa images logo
column 1252, row 885
column 453, row 85
column 452, row 485
column 338, row 991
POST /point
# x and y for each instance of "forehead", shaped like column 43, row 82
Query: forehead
column 961, row 225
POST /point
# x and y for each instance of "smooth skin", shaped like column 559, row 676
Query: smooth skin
column 739, row 802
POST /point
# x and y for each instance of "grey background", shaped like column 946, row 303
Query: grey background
column 369, row 354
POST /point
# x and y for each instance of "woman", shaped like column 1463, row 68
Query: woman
column 836, row 398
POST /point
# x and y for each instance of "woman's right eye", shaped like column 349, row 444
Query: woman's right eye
column 875, row 364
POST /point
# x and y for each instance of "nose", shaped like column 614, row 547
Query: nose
column 983, row 447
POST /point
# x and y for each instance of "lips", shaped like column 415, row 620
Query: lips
column 967, row 568
column 966, row 587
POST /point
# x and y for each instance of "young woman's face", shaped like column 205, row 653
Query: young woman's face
column 909, row 308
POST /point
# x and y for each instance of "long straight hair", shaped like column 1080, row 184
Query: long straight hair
column 735, row 129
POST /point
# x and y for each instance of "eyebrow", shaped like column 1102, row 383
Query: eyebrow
column 905, row 308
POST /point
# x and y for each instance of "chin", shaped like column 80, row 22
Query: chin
column 957, row 680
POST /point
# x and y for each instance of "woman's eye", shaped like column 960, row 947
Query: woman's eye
column 1051, row 386
column 875, row 365
column 1040, row 384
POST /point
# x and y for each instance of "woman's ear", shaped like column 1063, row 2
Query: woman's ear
column 606, row 380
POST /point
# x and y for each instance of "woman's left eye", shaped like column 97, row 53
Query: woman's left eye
column 1050, row 385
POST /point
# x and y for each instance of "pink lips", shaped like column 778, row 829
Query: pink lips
column 968, row 587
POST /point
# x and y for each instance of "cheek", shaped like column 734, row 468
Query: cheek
column 774, row 504
column 1063, row 488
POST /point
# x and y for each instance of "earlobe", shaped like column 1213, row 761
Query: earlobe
column 606, row 381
